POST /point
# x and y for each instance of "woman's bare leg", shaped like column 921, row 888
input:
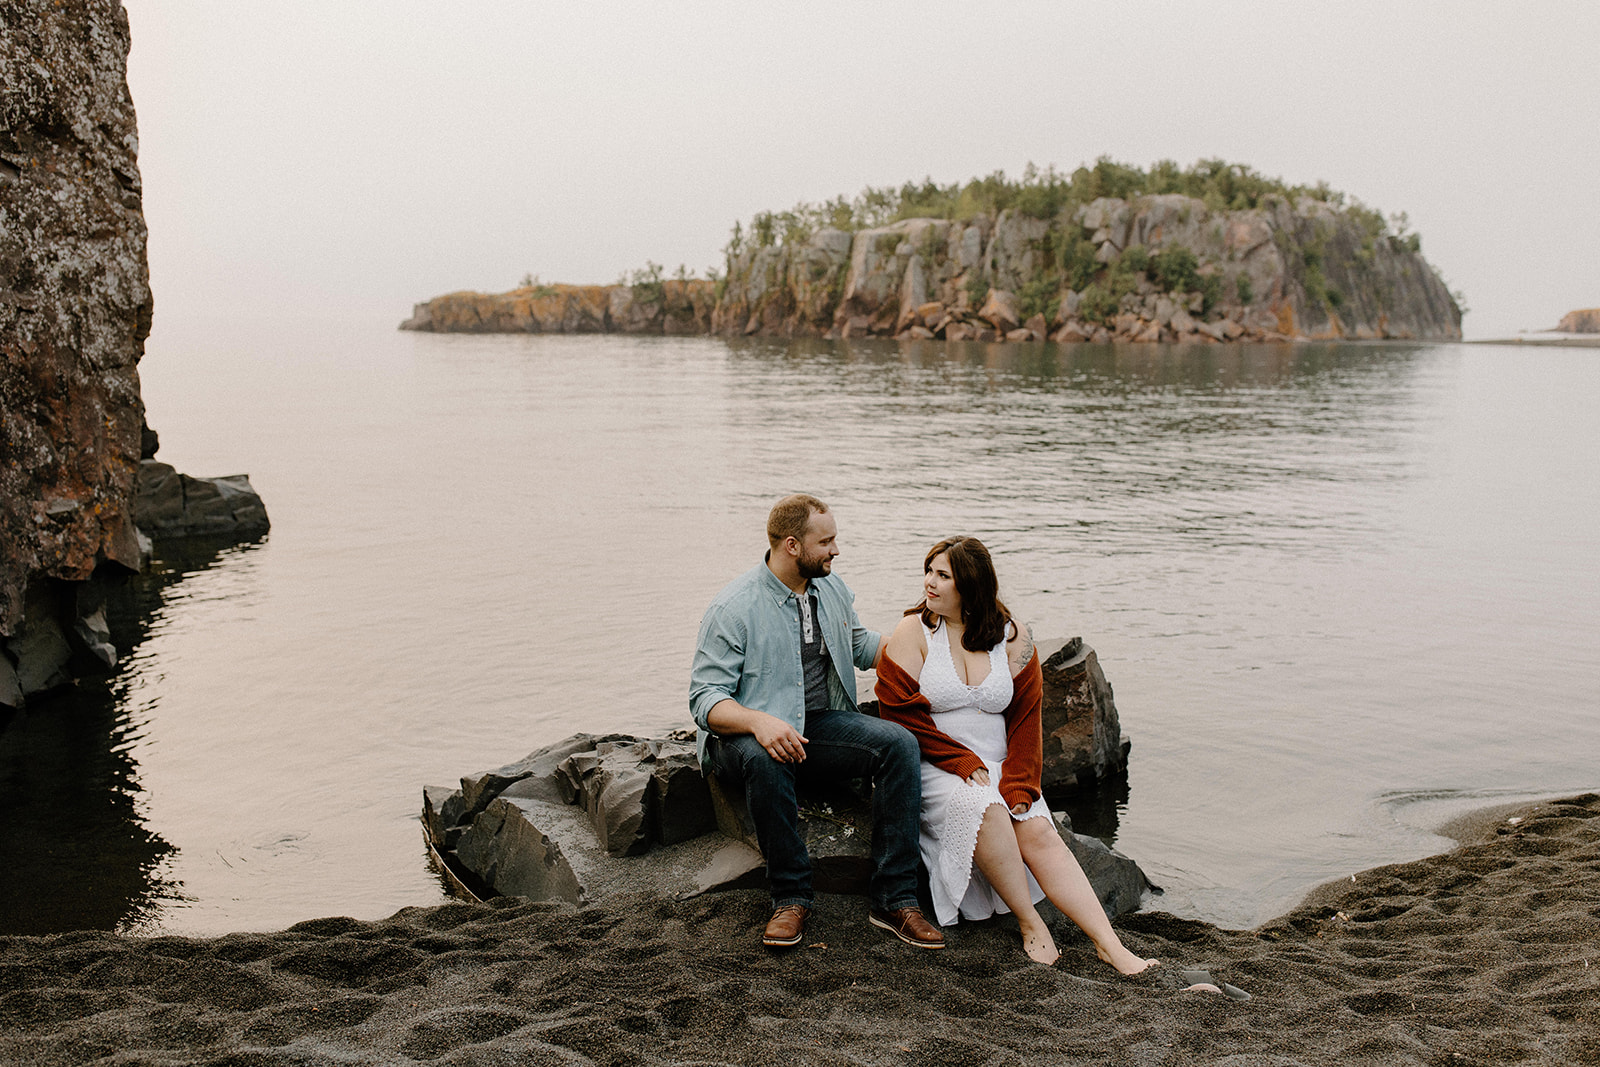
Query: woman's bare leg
column 1068, row 888
column 1000, row 860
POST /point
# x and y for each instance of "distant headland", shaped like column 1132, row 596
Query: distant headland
column 1208, row 253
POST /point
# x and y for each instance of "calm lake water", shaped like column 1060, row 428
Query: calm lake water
column 1343, row 592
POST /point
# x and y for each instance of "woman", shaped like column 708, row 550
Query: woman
column 963, row 677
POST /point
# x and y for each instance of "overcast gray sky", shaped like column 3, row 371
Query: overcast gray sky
column 351, row 158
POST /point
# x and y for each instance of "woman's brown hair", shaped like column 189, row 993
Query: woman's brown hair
column 983, row 616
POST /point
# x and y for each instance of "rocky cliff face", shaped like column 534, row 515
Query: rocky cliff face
column 75, row 309
column 1150, row 269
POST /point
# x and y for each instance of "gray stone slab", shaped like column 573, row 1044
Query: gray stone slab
column 548, row 851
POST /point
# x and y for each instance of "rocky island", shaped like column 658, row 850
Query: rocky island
column 1207, row 254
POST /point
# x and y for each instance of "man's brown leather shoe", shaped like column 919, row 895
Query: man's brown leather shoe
column 785, row 926
column 909, row 925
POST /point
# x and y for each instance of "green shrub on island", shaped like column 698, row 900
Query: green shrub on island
column 1175, row 269
column 1045, row 194
column 1040, row 295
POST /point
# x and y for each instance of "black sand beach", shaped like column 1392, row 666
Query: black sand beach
column 1486, row 954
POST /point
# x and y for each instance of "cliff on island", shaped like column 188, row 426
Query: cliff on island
column 77, row 477
column 1214, row 252
column 1585, row 320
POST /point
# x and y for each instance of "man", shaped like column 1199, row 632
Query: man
column 774, row 697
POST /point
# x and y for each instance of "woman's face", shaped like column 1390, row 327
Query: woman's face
column 939, row 587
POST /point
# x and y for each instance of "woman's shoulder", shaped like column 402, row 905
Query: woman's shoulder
column 908, row 645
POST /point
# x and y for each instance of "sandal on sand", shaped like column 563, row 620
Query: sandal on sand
column 1203, row 978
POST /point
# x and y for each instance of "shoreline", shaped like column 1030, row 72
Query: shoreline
column 1570, row 341
column 1489, row 952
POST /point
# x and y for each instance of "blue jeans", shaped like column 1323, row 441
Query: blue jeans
column 841, row 745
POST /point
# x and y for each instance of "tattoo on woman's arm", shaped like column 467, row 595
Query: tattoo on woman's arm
column 1024, row 644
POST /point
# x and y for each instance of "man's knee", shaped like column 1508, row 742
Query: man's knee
column 745, row 759
column 897, row 744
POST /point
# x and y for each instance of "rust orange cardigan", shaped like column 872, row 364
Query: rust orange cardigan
column 900, row 700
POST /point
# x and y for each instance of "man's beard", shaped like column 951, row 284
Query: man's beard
column 814, row 566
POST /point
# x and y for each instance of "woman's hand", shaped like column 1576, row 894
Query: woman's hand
column 979, row 777
column 1020, row 809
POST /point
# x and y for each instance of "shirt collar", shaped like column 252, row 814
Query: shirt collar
column 780, row 592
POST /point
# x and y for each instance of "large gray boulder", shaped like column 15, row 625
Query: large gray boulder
column 529, row 847
column 638, row 793
column 1118, row 881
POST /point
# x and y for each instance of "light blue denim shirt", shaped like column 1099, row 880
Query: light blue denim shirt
column 749, row 649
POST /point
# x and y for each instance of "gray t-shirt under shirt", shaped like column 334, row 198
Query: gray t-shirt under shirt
column 814, row 660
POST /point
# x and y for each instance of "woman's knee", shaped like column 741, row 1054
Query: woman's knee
column 996, row 820
column 1038, row 832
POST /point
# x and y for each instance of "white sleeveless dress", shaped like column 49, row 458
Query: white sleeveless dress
column 952, row 809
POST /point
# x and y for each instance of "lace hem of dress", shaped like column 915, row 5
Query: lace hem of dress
column 963, row 816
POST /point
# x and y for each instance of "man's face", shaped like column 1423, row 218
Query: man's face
column 819, row 546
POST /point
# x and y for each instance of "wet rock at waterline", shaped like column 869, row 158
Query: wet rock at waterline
column 1083, row 741
column 169, row 504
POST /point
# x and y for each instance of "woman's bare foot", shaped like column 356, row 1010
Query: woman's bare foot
column 1039, row 945
column 1124, row 961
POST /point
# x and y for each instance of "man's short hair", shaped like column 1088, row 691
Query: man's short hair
column 790, row 516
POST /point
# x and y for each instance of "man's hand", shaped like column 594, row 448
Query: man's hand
column 782, row 741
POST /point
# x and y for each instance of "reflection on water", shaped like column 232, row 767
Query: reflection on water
column 76, row 848
column 78, row 851
column 1319, row 577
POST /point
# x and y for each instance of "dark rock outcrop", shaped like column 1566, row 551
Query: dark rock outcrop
column 169, row 504
column 1083, row 742
column 592, row 817
column 75, row 309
